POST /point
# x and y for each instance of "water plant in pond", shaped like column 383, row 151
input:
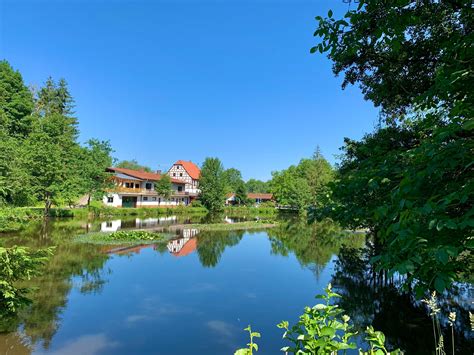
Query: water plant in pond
column 325, row 329
column 121, row 237
column 250, row 346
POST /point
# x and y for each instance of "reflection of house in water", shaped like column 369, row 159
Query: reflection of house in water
column 111, row 226
column 115, row 225
column 184, row 245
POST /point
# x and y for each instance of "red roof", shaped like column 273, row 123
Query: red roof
column 187, row 248
column 261, row 196
column 143, row 175
column 191, row 168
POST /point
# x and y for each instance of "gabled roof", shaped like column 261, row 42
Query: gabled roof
column 140, row 174
column 191, row 168
column 262, row 196
column 187, row 248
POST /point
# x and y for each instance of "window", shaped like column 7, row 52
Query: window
column 127, row 185
column 174, row 174
column 181, row 174
column 137, row 186
column 110, row 199
column 180, row 188
column 148, row 186
column 108, row 224
column 145, row 198
column 177, row 166
column 153, row 198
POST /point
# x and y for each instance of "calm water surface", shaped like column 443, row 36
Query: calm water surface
column 195, row 294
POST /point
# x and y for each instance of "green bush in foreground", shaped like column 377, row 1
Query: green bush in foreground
column 18, row 264
column 323, row 329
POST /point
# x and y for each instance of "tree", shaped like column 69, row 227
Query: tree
column 52, row 156
column 133, row 165
column 95, row 160
column 16, row 102
column 254, row 185
column 290, row 189
column 241, row 197
column 232, row 178
column 410, row 181
column 163, row 186
column 405, row 55
column 212, row 185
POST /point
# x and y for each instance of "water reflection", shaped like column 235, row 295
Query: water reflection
column 230, row 275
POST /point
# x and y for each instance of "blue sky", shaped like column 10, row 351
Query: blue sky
column 169, row 80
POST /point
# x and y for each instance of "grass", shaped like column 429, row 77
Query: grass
column 250, row 211
column 122, row 237
column 232, row 226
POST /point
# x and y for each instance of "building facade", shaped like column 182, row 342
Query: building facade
column 189, row 173
column 134, row 188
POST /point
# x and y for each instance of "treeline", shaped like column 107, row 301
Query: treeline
column 41, row 159
column 410, row 182
column 299, row 186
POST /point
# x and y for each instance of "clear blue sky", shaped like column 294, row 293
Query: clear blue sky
column 169, row 80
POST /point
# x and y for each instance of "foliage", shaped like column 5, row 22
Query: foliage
column 232, row 179
column 251, row 346
column 303, row 185
column 410, row 182
column 40, row 157
column 254, row 185
column 163, row 186
column 16, row 102
column 96, row 158
column 212, row 185
column 121, row 237
column 133, row 165
column 404, row 54
column 324, row 329
column 18, row 264
column 241, row 197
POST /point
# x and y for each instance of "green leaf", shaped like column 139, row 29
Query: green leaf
column 439, row 284
column 328, row 331
column 330, row 13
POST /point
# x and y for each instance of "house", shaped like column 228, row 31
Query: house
column 188, row 172
column 259, row 197
column 135, row 188
column 256, row 198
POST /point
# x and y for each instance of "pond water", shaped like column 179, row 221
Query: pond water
column 197, row 293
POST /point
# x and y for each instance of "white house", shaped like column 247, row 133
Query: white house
column 188, row 172
column 136, row 188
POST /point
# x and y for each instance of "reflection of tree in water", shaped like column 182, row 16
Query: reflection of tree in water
column 372, row 298
column 313, row 244
column 211, row 245
column 40, row 321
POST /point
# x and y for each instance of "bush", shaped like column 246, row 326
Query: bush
column 18, row 264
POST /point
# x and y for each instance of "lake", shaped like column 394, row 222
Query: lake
column 195, row 294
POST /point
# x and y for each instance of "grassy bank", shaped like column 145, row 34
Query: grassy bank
column 250, row 211
column 228, row 226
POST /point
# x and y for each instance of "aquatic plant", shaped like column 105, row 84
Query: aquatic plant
column 250, row 346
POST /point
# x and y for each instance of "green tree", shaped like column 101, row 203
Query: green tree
column 52, row 156
column 241, row 197
column 95, row 159
column 291, row 189
column 163, row 186
column 134, row 165
column 232, row 178
column 212, row 185
column 16, row 102
column 410, row 182
column 254, row 185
